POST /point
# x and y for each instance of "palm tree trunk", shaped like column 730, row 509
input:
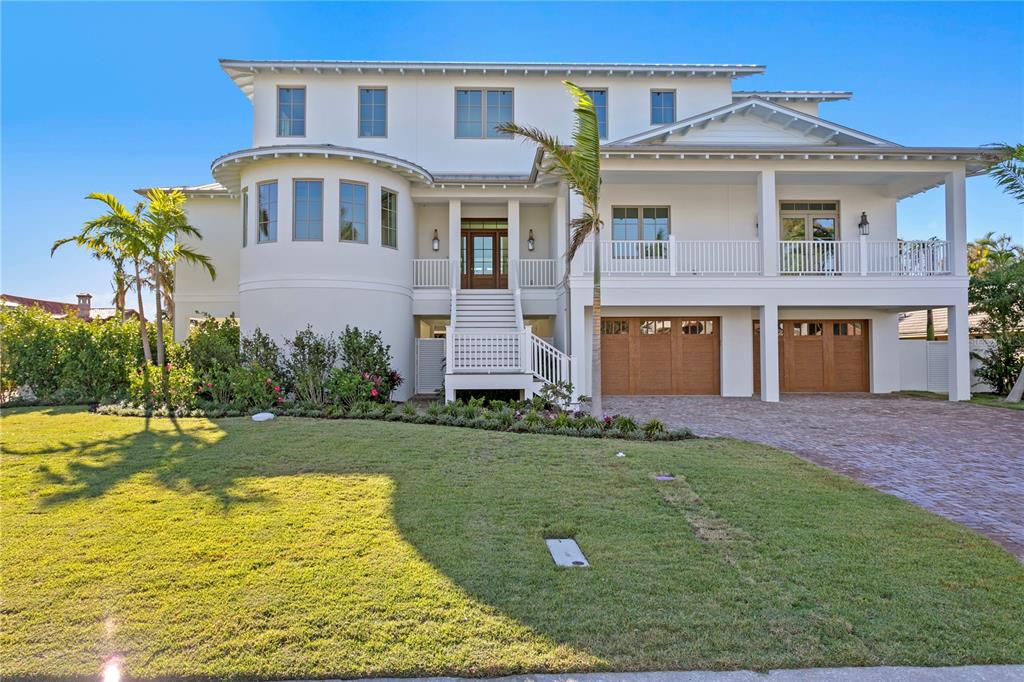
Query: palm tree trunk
column 143, row 334
column 929, row 328
column 161, row 357
column 595, row 343
column 1017, row 392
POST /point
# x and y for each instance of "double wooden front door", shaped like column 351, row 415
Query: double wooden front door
column 484, row 258
column 660, row 356
column 818, row 356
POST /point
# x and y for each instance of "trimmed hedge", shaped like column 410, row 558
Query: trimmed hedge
column 453, row 414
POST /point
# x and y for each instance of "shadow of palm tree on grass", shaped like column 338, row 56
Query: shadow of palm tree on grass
column 821, row 571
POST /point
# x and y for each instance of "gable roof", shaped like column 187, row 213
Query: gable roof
column 816, row 130
column 794, row 95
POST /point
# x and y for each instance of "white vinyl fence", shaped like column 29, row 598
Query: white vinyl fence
column 429, row 365
column 924, row 365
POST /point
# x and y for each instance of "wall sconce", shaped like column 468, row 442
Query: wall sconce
column 435, row 243
column 864, row 225
column 530, row 243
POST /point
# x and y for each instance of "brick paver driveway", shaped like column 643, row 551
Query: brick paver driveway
column 963, row 461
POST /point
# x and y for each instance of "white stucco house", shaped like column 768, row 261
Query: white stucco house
column 378, row 194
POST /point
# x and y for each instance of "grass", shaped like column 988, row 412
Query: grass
column 986, row 399
column 310, row 548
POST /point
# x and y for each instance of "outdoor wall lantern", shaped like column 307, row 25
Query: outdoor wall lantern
column 864, row 225
column 435, row 243
column 529, row 241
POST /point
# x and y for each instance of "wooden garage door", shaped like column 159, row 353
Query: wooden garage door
column 660, row 356
column 818, row 356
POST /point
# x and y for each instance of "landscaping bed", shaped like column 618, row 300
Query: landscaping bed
column 192, row 548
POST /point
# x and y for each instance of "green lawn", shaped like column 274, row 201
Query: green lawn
column 301, row 548
column 987, row 399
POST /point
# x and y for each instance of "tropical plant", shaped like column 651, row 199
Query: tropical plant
column 999, row 294
column 117, row 236
column 164, row 223
column 579, row 167
column 309, row 362
column 991, row 251
column 1009, row 175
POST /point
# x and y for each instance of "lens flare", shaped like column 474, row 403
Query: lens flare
column 112, row 670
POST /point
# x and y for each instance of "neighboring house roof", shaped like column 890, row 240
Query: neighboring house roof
column 209, row 189
column 794, row 95
column 791, row 126
column 243, row 71
column 914, row 325
column 55, row 308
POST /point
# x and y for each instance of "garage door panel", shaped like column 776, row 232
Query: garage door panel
column 615, row 356
column 820, row 356
column 655, row 357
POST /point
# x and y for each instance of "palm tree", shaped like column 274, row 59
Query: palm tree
column 164, row 223
column 579, row 167
column 1009, row 174
column 117, row 235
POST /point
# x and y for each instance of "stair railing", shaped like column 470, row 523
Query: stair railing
column 517, row 292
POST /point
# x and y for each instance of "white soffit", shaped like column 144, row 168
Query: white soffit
column 794, row 95
column 786, row 120
column 243, row 72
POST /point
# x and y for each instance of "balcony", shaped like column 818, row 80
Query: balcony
column 436, row 273
column 678, row 258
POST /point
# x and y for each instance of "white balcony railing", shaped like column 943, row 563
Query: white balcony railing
column 907, row 258
column 819, row 258
column 506, row 353
column 672, row 257
column 431, row 273
column 718, row 257
column 537, row 272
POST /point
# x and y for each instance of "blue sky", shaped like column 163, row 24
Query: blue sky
column 108, row 97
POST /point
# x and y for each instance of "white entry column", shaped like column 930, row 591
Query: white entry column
column 770, row 353
column 513, row 235
column 455, row 241
column 768, row 223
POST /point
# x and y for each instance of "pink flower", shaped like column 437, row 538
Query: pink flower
column 169, row 365
column 269, row 381
column 277, row 389
column 209, row 385
column 374, row 392
column 366, row 375
column 280, row 399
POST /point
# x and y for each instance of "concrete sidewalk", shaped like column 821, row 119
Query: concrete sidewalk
column 969, row 673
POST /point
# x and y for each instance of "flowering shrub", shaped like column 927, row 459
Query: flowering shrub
column 309, row 362
column 346, row 387
column 253, row 386
column 182, row 386
column 212, row 350
column 366, row 353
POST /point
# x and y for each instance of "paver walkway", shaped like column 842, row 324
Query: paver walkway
column 963, row 461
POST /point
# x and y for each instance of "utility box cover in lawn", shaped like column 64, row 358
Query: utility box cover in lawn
column 567, row 553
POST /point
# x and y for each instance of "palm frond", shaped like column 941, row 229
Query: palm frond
column 1009, row 173
column 579, row 229
column 192, row 257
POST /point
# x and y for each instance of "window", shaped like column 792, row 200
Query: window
column 615, row 327
column 807, row 329
column 600, row 97
column 352, row 213
column 308, row 211
column 663, row 107
column 649, row 223
column 245, row 216
column 266, row 206
column 478, row 112
column 291, row 112
column 698, row 327
column 654, row 327
column 388, row 218
column 373, row 112
column 847, row 329
column 816, row 221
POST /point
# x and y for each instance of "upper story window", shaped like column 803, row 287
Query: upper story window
column 291, row 111
column 373, row 112
column 663, row 107
column 600, row 98
column 308, row 223
column 266, row 212
column 632, row 223
column 388, row 218
column 816, row 221
column 352, row 216
column 479, row 111
column 245, row 216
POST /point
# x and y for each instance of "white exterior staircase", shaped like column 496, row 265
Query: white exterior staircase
column 489, row 347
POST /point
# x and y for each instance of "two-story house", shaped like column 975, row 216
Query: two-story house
column 380, row 195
